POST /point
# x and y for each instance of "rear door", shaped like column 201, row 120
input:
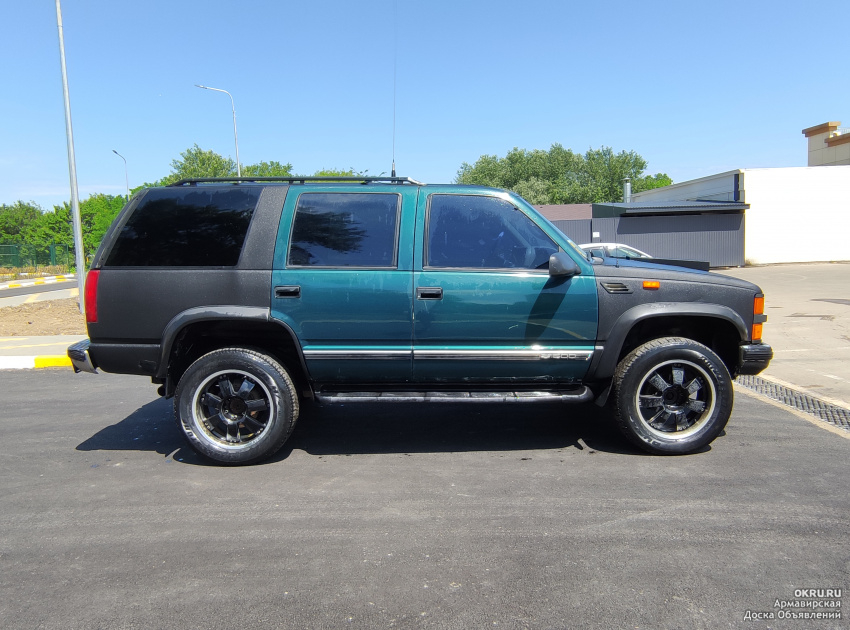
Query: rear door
column 343, row 280
column 486, row 309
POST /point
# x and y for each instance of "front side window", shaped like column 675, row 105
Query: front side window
column 344, row 230
column 472, row 231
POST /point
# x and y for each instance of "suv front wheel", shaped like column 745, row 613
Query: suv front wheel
column 236, row 406
column 672, row 396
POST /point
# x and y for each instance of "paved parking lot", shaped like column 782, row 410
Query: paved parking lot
column 397, row 516
column 808, row 325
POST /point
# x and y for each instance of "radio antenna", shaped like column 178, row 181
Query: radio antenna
column 395, row 63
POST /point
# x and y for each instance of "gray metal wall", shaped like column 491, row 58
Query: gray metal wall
column 577, row 229
column 717, row 238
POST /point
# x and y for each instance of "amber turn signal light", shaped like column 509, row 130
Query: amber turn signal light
column 651, row 285
column 757, row 332
column 758, row 306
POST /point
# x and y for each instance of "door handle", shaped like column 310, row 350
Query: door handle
column 429, row 293
column 292, row 291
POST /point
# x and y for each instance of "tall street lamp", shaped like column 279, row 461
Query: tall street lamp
column 235, row 137
column 126, row 177
column 76, row 222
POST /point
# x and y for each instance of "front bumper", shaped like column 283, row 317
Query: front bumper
column 754, row 358
column 80, row 357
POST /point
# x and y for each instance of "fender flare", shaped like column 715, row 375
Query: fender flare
column 216, row 313
column 604, row 367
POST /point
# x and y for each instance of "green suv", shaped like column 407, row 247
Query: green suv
column 241, row 297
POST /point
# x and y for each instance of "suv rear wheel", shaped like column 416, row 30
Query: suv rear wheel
column 672, row 396
column 236, row 406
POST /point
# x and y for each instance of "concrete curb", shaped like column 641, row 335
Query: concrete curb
column 16, row 284
column 34, row 362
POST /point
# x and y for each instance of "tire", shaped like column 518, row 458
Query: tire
column 672, row 396
column 236, row 406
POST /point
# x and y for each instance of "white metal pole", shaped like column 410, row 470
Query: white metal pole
column 126, row 176
column 72, row 168
column 235, row 136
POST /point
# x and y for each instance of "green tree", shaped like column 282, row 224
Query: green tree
column 96, row 214
column 267, row 169
column 196, row 162
column 15, row 218
column 561, row 176
column 50, row 227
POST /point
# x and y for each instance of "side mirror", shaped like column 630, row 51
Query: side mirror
column 562, row 266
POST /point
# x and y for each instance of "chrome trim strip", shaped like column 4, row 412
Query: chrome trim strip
column 562, row 354
column 358, row 354
column 537, row 354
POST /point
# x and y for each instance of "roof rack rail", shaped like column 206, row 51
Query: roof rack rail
column 296, row 180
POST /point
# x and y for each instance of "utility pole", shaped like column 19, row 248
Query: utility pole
column 72, row 168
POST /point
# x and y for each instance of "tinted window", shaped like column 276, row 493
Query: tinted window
column 195, row 227
column 484, row 232
column 344, row 230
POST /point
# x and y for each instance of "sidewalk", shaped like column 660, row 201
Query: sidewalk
column 16, row 284
column 36, row 352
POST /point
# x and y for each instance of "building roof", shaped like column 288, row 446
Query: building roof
column 666, row 207
column 827, row 127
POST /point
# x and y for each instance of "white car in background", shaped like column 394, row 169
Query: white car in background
column 613, row 250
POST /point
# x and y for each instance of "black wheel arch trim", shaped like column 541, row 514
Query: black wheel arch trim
column 606, row 365
column 218, row 313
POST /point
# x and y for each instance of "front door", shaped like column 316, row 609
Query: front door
column 485, row 308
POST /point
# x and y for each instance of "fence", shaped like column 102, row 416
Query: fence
column 24, row 255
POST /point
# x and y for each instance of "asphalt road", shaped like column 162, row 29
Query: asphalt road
column 408, row 516
column 39, row 292
column 39, row 288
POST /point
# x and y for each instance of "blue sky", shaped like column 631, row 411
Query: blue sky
column 696, row 88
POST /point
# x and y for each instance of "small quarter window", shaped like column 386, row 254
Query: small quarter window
column 344, row 230
column 484, row 232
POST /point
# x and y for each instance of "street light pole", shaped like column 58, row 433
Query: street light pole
column 72, row 168
column 235, row 137
column 126, row 176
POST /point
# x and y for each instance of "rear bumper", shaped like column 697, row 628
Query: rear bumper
column 80, row 357
column 754, row 358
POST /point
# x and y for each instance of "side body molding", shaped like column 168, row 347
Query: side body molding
column 621, row 327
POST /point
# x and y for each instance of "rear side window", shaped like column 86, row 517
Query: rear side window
column 197, row 227
column 344, row 230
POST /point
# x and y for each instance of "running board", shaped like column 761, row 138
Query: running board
column 578, row 395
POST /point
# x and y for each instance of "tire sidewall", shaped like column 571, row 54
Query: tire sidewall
column 267, row 372
column 641, row 363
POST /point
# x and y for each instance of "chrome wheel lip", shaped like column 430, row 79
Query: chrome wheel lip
column 673, row 402
column 233, row 415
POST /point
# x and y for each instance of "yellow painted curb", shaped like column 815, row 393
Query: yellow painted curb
column 61, row 278
column 13, row 285
column 39, row 282
column 47, row 361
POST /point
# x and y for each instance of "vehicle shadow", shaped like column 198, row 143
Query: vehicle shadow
column 448, row 428
column 391, row 428
column 149, row 428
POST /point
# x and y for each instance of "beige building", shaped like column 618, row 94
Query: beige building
column 829, row 144
column 795, row 214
